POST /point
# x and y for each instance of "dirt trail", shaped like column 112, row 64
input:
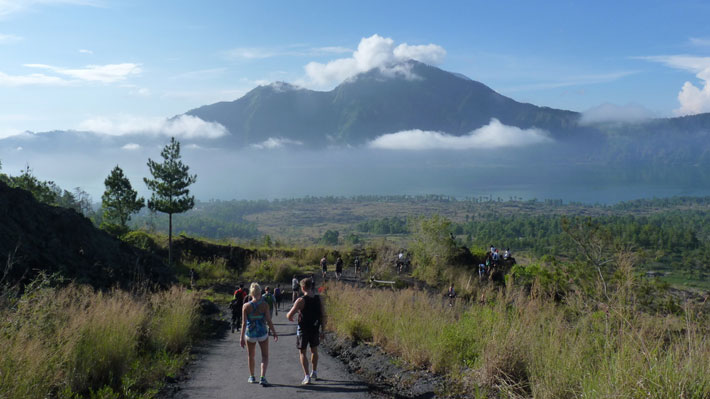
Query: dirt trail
column 221, row 371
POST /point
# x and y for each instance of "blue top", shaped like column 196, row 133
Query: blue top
column 256, row 327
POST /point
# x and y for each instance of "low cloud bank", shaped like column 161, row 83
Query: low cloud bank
column 373, row 52
column 273, row 143
column 183, row 126
column 616, row 113
column 493, row 135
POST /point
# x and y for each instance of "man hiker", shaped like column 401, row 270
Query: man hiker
column 236, row 306
column 356, row 263
column 338, row 268
column 278, row 294
column 294, row 288
column 270, row 300
column 311, row 326
column 324, row 267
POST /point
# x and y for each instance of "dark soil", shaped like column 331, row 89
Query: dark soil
column 35, row 237
column 385, row 374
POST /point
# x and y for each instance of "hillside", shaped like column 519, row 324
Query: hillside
column 36, row 237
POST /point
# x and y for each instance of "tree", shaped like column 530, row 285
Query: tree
column 169, row 186
column 330, row 237
column 119, row 201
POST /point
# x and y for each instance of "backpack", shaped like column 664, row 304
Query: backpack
column 269, row 299
column 311, row 313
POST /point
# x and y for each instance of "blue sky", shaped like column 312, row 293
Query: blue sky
column 73, row 64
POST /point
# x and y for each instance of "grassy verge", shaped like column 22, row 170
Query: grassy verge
column 74, row 342
column 518, row 345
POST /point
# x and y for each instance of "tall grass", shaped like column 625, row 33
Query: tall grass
column 74, row 342
column 521, row 345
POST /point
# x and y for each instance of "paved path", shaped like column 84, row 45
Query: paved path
column 221, row 371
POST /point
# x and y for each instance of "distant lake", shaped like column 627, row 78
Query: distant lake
column 289, row 173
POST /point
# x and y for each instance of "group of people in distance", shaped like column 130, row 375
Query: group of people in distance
column 493, row 259
column 338, row 267
column 252, row 313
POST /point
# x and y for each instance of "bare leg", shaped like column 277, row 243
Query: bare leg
column 304, row 361
column 251, row 348
column 264, row 356
column 314, row 357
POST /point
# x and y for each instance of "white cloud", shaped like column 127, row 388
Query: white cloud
column 183, row 126
column 273, row 143
column 131, row 147
column 699, row 41
column 19, row 148
column 5, row 38
column 33, row 79
column 493, row 135
column 85, row 51
column 616, row 113
column 693, row 99
column 372, row 52
column 108, row 73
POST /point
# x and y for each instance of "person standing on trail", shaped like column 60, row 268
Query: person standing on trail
column 311, row 327
column 294, row 288
column 270, row 300
column 255, row 318
column 278, row 295
column 236, row 306
column 324, row 267
column 338, row 268
column 452, row 295
column 356, row 263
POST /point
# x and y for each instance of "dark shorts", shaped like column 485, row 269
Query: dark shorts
column 307, row 337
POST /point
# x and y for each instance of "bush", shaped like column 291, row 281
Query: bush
column 140, row 239
column 358, row 330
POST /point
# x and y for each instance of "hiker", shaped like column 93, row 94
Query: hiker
column 278, row 295
column 324, row 267
column 496, row 258
column 338, row 268
column 193, row 278
column 356, row 263
column 311, row 327
column 255, row 318
column 270, row 300
column 451, row 294
column 294, row 288
column 236, row 307
column 507, row 254
column 237, row 302
column 481, row 271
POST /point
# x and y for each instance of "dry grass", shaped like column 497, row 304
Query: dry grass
column 73, row 341
column 523, row 346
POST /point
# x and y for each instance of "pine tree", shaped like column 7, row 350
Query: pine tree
column 169, row 186
column 119, row 201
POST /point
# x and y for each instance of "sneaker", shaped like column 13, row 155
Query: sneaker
column 252, row 379
column 263, row 381
column 306, row 380
column 313, row 376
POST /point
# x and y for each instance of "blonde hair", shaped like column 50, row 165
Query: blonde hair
column 253, row 289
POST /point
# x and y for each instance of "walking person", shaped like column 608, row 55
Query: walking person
column 356, row 263
column 236, row 306
column 324, row 267
column 255, row 318
column 294, row 289
column 270, row 300
column 311, row 327
column 338, row 268
column 278, row 294
column 452, row 295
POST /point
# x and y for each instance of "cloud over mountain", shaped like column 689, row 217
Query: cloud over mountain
column 615, row 113
column 183, row 126
column 372, row 52
column 693, row 99
column 493, row 135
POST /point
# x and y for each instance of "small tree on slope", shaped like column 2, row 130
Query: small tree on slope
column 169, row 186
column 118, row 202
